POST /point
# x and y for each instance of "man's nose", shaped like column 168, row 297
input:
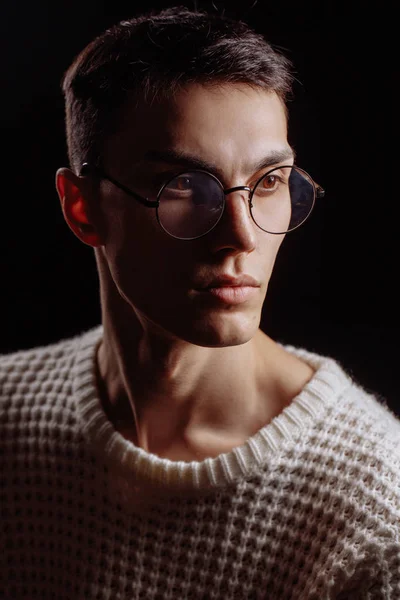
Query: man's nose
column 236, row 230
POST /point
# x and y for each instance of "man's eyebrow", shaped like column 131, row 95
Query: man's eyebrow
column 275, row 157
column 175, row 157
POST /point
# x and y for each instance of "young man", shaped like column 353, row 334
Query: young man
column 176, row 451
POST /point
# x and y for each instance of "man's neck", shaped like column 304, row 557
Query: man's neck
column 186, row 402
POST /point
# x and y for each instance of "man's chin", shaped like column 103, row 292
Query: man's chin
column 209, row 328
column 222, row 331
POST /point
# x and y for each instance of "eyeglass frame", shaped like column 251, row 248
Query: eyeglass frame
column 319, row 192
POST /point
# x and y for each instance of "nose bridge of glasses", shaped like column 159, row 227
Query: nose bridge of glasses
column 238, row 188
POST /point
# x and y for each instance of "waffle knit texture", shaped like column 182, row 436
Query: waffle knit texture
column 307, row 509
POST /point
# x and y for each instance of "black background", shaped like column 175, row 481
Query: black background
column 334, row 289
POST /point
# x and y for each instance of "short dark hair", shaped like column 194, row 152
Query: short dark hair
column 155, row 55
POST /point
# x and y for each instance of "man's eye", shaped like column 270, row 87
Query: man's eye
column 180, row 183
column 270, row 182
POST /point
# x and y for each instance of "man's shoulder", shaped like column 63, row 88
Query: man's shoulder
column 375, row 416
column 356, row 420
column 359, row 438
column 19, row 359
column 346, row 394
column 25, row 366
column 351, row 454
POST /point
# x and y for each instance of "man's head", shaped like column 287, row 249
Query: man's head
column 154, row 97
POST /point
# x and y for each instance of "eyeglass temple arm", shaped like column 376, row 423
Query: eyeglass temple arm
column 86, row 169
column 319, row 191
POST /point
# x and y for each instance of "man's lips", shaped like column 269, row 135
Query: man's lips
column 229, row 281
column 231, row 290
column 233, row 294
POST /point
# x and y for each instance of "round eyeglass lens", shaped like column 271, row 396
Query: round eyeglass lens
column 282, row 200
column 190, row 205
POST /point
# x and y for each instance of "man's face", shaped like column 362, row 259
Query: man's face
column 232, row 129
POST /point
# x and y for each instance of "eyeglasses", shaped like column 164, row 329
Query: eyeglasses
column 190, row 204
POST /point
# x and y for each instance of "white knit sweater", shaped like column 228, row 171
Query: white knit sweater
column 307, row 509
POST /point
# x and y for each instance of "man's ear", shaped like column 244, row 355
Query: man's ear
column 74, row 194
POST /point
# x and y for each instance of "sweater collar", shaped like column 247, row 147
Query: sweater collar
column 321, row 392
